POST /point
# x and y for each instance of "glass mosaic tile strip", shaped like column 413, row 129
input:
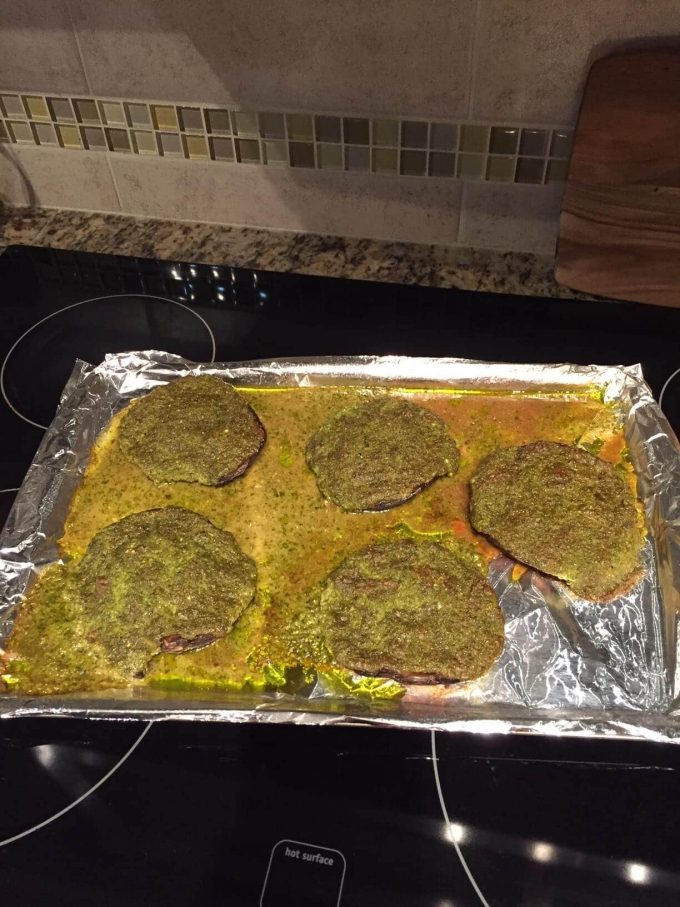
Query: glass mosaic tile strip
column 397, row 146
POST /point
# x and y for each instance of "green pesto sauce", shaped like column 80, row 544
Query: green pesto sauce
column 380, row 453
column 52, row 650
column 410, row 607
column 279, row 518
column 563, row 511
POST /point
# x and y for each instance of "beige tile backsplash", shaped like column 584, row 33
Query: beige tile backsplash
column 45, row 177
column 532, row 56
column 510, row 217
column 344, row 204
column 347, row 56
column 484, row 68
column 38, row 49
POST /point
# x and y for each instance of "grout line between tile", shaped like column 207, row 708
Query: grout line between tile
column 474, row 44
column 76, row 38
column 461, row 211
column 112, row 173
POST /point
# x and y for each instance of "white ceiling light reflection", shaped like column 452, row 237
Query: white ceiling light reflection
column 46, row 755
column 638, row 873
column 542, row 852
column 458, row 832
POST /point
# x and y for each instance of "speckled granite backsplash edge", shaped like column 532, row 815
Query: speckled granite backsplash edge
column 460, row 268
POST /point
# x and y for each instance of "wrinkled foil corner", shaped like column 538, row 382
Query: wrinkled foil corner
column 569, row 667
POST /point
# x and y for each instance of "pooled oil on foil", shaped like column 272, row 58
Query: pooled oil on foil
column 569, row 666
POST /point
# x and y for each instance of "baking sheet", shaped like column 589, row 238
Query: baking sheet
column 569, row 666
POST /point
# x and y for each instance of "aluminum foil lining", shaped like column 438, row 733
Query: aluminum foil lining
column 569, row 666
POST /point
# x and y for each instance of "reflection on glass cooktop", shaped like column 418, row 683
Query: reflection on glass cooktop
column 217, row 814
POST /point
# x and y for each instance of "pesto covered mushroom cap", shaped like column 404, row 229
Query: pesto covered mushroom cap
column 195, row 429
column 412, row 610
column 563, row 511
column 162, row 580
column 379, row 454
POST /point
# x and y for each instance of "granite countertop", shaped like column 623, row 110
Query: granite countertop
column 519, row 273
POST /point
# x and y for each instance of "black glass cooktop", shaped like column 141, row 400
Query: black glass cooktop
column 115, row 813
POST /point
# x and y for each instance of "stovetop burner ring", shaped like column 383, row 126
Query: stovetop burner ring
column 62, row 812
column 74, row 305
column 449, row 824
